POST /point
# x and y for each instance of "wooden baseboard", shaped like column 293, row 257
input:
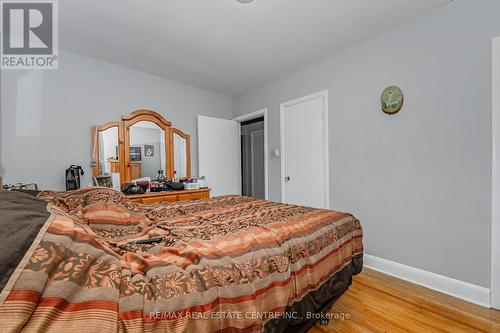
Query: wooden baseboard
column 446, row 285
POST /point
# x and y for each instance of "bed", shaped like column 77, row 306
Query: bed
column 92, row 260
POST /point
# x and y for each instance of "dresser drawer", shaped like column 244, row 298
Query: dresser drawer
column 149, row 201
column 170, row 198
column 193, row 196
column 173, row 196
column 165, row 198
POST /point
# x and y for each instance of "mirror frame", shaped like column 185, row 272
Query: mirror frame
column 188, row 151
column 124, row 142
column 154, row 117
column 95, row 146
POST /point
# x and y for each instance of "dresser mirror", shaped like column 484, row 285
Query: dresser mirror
column 107, row 148
column 147, row 150
column 182, row 163
column 142, row 144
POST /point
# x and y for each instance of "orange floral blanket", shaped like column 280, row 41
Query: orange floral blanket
column 102, row 263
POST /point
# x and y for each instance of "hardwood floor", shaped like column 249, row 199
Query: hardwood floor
column 376, row 302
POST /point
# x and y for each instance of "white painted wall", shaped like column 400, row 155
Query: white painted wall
column 46, row 116
column 420, row 180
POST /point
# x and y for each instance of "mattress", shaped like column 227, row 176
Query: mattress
column 100, row 262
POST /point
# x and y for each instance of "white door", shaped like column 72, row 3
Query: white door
column 304, row 151
column 495, row 197
column 219, row 154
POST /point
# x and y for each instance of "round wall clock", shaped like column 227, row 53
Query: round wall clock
column 392, row 100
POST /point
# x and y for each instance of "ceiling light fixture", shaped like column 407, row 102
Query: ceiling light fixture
column 244, row 1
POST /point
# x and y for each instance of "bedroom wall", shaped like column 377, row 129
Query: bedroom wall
column 46, row 116
column 420, row 180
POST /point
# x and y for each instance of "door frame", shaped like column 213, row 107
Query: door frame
column 324, row 95
column 495, row 174
column 250, row 116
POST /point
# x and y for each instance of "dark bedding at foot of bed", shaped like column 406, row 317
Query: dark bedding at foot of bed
column 21, row 217
column 316, row 302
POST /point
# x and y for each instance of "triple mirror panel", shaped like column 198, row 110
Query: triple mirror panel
column 143, row 145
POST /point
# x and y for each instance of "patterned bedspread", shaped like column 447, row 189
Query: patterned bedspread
column 104, row 264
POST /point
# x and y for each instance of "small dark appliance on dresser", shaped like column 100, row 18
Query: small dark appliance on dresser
column 73, row 177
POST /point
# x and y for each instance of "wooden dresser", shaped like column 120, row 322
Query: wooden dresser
column 168, row 153
column 172, row 196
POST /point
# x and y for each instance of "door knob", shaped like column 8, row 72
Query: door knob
column 287, row 179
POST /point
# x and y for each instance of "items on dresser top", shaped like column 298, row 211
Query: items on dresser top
column 191, row 184
column 148, row 192
column 160, row 185
column 104, row 181
column 132, row 188
column 21, row 186
column 145, row 186
column 161, row 177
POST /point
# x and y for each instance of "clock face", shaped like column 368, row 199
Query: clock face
column 392, row 100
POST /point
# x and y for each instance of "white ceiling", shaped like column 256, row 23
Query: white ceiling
column 223, row 45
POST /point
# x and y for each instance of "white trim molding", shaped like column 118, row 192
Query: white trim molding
column 495, row 174
column 326, row 172
column 443, row 284
column 254, row 115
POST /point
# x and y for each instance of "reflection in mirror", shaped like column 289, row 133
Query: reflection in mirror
column 108, row 151
column 180, row 156
column 147, row 150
